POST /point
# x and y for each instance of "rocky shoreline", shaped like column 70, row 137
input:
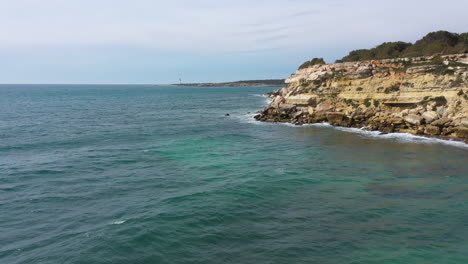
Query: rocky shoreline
column 425, row 96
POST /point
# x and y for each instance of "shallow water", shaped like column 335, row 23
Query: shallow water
column 154, row 174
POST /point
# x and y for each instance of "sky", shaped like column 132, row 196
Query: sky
column 157, row 42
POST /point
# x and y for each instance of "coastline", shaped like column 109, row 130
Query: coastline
column 397, row 95
column 378, row 133
column 399, row 136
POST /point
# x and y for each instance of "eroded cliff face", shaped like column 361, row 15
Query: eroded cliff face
column 424, row 95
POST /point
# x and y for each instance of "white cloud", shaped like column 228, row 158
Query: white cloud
column 208, row 25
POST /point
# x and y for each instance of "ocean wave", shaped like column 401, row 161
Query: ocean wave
column 398, row 137
column 267, row 98
column 402, row 137
column 249, row 118
column 119, row 222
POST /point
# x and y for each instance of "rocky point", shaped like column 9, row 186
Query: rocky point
column 423, row 95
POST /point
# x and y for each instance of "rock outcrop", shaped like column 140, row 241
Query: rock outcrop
column 423, row 95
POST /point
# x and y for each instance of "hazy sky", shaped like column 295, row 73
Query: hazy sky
column 151, row 41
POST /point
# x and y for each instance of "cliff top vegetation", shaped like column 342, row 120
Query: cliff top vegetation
column 434, row 43
column 314, row 61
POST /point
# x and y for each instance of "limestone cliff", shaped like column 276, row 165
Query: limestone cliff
column 422, row 95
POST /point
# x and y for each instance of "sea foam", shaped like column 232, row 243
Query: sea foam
column 403, row 137
column 397, row 137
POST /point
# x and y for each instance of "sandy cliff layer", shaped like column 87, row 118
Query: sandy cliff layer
column 424, row 95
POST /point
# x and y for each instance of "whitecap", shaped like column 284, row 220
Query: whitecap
column 403, row 137
column 267, row 98
column 319, row 125
column 398, row 137
column 119, row 222
column 249, row 118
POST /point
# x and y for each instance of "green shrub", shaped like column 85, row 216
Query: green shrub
column 437, row 60
column 304, row 83
column 314, row 61
column 441, row 100
column 442, row 70
column 439, row 42
column 339, row 76
column 391, row 89
column 376, row 103
column 367, row 103
column 439, row 36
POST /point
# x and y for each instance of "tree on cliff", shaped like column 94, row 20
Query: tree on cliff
column 383, row 51
column 439, row 42
column 314, row 61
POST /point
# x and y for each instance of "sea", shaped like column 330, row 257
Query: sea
column 168, row 174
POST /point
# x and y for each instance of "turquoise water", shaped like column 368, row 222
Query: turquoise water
column 153, row 174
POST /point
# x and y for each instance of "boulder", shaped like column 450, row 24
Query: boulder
column 464, row 122
column 297, row 114
column 320, row 117
column 358, row 117
column 441, row 110
column 335, row 117
column 447, row 131
column 360, row 73
column 369, row 113
column 278, row 100
column 441, row 122
column 450, row 111
column 432, row 130
column 302, row 99
column 462, row 132
column 395, row 120
column 430, row 116
column 420, row 130
column 270, row 111
column 413, row 119
column 387, row 129
column 430, row 106
column 324, row 107
column 286, row 107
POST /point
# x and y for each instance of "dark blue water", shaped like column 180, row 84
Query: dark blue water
column 152, row 174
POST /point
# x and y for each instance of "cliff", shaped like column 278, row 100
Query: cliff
column 421, row 95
